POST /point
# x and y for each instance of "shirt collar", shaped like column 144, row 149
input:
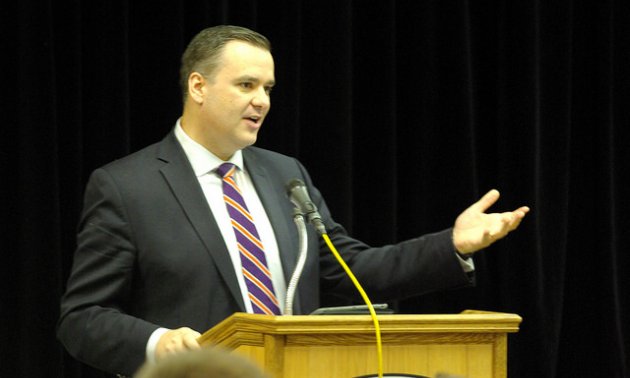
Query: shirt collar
column 202, row 160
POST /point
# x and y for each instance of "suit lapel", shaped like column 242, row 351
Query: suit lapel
column 187, row 191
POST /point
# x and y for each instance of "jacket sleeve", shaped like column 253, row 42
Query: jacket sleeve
column 93, row 324
column 413, row 267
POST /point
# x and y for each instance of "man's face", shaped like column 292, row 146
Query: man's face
column 236, row 98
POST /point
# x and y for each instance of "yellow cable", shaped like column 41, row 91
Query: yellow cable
column 377, row 328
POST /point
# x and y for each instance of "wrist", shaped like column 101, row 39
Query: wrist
column 153, row 342
column 459, row 249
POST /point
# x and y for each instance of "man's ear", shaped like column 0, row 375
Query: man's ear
column 196, row 84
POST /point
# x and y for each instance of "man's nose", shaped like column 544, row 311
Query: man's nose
column 261, row 98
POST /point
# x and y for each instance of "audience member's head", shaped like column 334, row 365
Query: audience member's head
column 202, row 363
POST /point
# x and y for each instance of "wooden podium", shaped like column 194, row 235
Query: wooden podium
column 472, row 344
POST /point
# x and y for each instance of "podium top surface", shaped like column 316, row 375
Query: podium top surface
column 469, row 321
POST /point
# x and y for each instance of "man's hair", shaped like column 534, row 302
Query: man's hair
column 204, row 50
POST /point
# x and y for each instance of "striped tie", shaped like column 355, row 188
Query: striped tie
column 253, row 261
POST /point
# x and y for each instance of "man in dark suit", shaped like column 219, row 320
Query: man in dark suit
column 157, row 258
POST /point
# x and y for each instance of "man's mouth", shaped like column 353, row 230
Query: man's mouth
column 254, row 118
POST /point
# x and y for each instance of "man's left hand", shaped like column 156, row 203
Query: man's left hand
column 475, row 230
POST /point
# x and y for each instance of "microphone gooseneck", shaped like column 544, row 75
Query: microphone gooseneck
column 298, row 218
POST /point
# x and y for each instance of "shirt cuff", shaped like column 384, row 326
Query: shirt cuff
column 468, row 265
column 152, row 343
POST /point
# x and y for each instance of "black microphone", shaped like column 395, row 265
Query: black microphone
column 299, row 196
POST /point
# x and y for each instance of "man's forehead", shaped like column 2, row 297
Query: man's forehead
column 247, row 60
column 244, row 49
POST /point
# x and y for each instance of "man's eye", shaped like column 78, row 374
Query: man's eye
column 246, row 85
column 268, row 90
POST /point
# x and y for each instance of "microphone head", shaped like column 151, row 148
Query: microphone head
column 294, row 183
column 300, row 198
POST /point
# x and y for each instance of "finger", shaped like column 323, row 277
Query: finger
column 521, row 211
column 486, row 201
column 508, row 217
column 502, row 226
column 517, row 222
column 174, row 345
column 188, row 331
column 190, row 340
column 516, row 218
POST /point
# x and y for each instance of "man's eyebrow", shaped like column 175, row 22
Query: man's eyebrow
column 255, row 80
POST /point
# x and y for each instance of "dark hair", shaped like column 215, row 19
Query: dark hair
column 204, row 50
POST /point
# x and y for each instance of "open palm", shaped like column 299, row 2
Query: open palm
column 474, row 229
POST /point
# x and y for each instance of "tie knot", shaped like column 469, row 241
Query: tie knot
column 226, row 169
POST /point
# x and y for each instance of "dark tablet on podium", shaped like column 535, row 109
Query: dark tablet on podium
column 379, row 308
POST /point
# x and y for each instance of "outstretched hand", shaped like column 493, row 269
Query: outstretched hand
column 475, row 230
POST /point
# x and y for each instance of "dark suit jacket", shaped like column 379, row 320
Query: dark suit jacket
column 149, row 254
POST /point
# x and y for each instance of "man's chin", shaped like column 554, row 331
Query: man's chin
column 248, row 142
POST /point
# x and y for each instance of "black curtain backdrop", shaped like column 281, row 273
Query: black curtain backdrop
column 405, row 112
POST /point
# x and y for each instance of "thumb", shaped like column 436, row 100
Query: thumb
column 486, row 201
